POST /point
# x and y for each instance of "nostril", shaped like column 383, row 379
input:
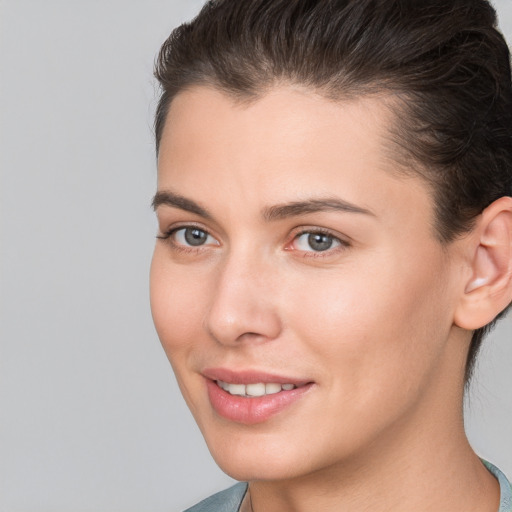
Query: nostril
column 244, row 328
column 253, row 337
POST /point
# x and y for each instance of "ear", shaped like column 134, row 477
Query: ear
column 488, row 291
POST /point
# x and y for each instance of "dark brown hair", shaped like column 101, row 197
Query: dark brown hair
column 444, row 61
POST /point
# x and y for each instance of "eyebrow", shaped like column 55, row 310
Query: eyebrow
column 270, row 213
column 170, row 199
column 283, row 211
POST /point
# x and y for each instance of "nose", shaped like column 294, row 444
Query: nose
column 243, row 306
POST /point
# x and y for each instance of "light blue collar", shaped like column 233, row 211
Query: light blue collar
column 505, row 487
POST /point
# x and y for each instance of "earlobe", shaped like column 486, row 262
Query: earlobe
column 489, row 289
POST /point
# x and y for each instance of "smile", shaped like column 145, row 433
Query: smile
column 251, row 397
column 254, row 390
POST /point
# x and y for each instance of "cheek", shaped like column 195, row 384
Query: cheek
column 178, row 312
column 374, row 326
column 373, row 336
column 176, row 304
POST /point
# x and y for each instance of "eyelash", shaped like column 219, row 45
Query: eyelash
column 168, row 236
column 341, row 244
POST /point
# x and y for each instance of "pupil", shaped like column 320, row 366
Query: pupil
column 319, row 242
column 195, row 236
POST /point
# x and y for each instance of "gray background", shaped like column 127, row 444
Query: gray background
column 90, row 415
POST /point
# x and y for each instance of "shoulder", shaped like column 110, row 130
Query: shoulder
column 228, row 500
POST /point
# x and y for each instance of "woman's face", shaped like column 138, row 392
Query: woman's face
column 295, row 265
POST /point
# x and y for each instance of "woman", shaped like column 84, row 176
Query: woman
column 335, row 239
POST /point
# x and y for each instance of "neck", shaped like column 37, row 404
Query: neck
column 423, row 464
column 445, row 479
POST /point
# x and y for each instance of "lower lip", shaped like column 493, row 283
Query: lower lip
column 251, row 410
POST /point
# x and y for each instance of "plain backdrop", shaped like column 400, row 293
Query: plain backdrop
column 90, row 416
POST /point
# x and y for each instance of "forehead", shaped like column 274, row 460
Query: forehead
column 288, row 120
column 282, row 146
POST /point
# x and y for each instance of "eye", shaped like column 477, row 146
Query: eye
column 192, row 237
column 315, row 241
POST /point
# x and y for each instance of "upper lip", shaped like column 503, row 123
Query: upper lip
column 250, row 377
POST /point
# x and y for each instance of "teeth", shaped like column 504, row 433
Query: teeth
column 270, row 389
column 236, row 389
column 254, row 390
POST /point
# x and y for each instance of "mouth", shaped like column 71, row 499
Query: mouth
column 252, row 397
column 256, row 389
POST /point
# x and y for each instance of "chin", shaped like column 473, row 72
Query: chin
column 257, row 456
column 245, row 458
column 248, row 469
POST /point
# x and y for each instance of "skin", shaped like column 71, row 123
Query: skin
column 369, row 321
